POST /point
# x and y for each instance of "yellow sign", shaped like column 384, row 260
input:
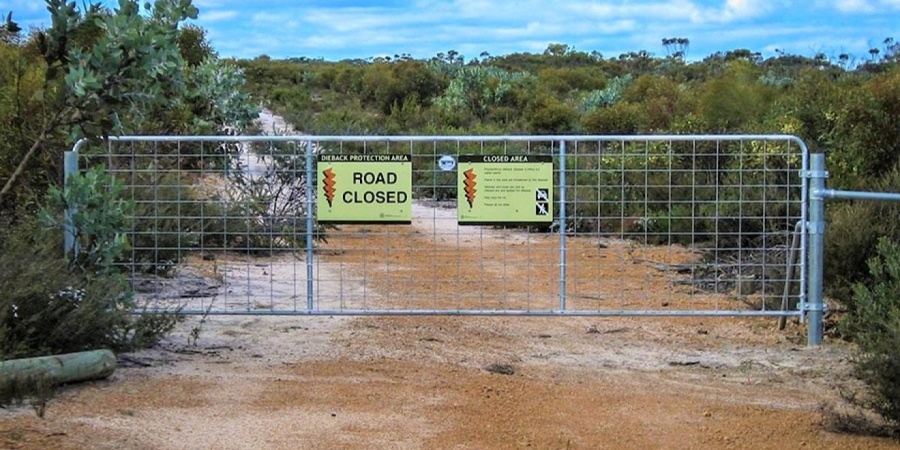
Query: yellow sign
column 505, row 189
column 364, row 189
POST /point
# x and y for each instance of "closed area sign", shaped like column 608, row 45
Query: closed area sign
column 364, row 188
column 505, row 189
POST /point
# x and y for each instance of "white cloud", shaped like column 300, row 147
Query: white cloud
column 424, row 27
column 217, row 16
column 745, row 9
column 860, row 6
column 266, row 18
column 683, row 11
column 854, row 6
column 359, row 19
column 670, row 11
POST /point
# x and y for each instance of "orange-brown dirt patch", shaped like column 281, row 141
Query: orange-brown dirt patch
column 465, row 382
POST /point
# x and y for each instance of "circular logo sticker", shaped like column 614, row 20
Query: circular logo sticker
column 447, row 163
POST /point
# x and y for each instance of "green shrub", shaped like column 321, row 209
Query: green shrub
column 853, row 232
column 55, row 303
column 48, row 308
column 875, row 327
column 620, row 118
column 42, row 297
column 864, row 141
column 98, row 219
column 547, row 115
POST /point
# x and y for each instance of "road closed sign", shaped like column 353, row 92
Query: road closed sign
column 505, row 189
column 364, row 189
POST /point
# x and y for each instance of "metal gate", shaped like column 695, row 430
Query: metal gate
column 641, row 225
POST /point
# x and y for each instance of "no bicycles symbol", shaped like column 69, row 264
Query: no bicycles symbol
column 542, row 201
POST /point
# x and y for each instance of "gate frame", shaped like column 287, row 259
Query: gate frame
column 812, row 221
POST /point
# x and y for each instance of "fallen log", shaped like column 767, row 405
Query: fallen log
column 61, row 369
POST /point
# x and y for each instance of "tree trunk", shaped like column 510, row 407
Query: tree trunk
column 22, row 164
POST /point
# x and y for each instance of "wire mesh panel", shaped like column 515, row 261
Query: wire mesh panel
column 218, row 224
column 689, row 224
column 435, row 264
column 616, row 225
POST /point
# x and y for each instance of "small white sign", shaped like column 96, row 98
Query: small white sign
column 447, row 163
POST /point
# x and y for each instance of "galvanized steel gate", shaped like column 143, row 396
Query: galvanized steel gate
column 644, row 225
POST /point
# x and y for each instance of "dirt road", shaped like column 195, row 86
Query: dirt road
column 455, row 382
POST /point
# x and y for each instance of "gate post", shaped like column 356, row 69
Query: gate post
column 310, row 222
column 562, row 225
column 816, row 252
column 70, row 169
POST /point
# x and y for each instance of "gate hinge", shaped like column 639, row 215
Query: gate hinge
column 814, row 174
column 815, row 227
column 807, row 307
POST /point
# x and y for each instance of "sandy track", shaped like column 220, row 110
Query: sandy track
column 454, row 382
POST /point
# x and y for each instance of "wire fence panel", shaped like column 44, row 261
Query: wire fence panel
column 435, row 264
column 697, row 224
column 501, row 225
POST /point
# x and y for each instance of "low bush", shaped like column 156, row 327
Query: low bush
column 51, row 302
column 47, row 307
column 854, row 229
column 875, row 327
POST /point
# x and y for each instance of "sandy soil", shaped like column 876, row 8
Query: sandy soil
column 454, row 382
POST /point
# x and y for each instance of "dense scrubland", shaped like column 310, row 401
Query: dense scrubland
column 139, row 69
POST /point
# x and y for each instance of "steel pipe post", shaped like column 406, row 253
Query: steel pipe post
column 816, row 252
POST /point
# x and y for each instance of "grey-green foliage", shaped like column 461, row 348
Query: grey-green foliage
column 875, row 327
column 47, row 308
column 476, row 89
column 218, row 87
column 92, row 210
column 444, row 68
column 608, row 96
column 133, row 67
column 773, row 79
column 104, row 71
column 51, row 303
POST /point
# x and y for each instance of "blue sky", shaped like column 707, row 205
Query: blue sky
column 342, row 29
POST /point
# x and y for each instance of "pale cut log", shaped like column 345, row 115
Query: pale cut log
column 61, row 369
